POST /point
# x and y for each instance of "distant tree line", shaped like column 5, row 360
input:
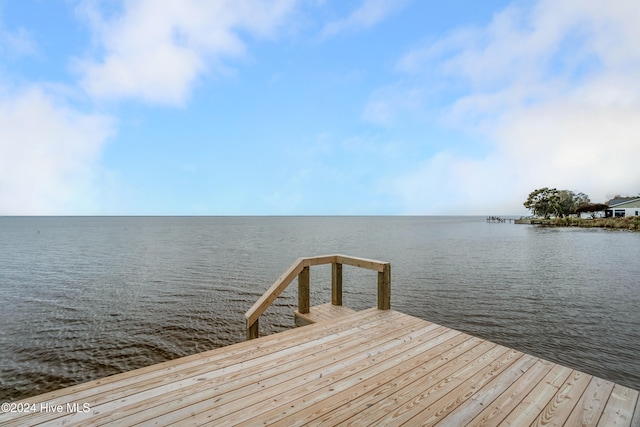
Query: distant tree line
column 547, row 202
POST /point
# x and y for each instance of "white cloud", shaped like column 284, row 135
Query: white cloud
column 385, row 104
column 554, row 87
column 367, row 15
column 48, row 155
column 155, row 51
column 16, row 43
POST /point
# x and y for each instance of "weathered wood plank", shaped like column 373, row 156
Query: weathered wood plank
column 427, row 355
column 433, row 353
column 253, row 330
column 369, row 264
column 384, row 288
column 341, row 372
column 620, row 406
column 512, row 396
column 428, row 368
column 533, row 404
column 318, row 260
column 589, row 408
column 303, row 290
column 336, row 283
column 273, row 292
column 405, row 404
column 635, row 421
column 322, row 313
column 436, row 412
column 560, row 407
column 481, row 400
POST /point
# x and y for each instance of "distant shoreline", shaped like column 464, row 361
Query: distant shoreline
column 627, row 223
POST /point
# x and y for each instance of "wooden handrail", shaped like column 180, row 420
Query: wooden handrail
column 300, row 269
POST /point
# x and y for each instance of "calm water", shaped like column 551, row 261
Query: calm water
column 82, row 298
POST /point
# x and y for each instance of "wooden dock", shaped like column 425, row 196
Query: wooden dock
column 499, row 219
column 372, row 367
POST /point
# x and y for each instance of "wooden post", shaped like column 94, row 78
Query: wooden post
column 336, row 283
column 252, row 331
column 303, row 291
column 384, row 288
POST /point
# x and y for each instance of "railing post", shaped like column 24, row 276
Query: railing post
column 300, row 268
column 384, row 288
column 303, row 290
column 336, row 283
column 252, row 331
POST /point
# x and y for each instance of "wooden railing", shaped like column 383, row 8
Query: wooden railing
column 300, row 269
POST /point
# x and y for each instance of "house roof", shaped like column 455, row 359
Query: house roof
column 625, row 202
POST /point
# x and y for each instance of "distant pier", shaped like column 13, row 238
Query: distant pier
column 498, row 219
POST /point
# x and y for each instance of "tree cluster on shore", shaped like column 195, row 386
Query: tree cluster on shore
column 566, row 206
column 547, row 202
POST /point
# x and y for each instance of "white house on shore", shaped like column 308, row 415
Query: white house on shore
column 623, row 207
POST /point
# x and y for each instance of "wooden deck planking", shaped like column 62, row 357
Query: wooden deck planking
column 484, row 396
column 355, row 379
column 341, row 405
column 589, row 408
column 122, row 385
column 532, row 405
column 377, row 367
column 620, row 406
column 340, row 374
column 425, row 393
column 294, row 371
column 494, row 413
column 322, row 313
column 560, row 406
column 462, row 391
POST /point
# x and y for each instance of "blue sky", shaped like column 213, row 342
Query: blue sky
column 285, row 107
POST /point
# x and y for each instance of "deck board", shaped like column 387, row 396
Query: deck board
column 321, row 313
column 369, row 367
